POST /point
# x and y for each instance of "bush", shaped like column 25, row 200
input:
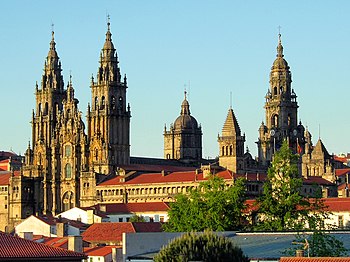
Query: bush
column 206, row 246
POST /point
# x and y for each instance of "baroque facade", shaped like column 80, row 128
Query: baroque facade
column 63, row 163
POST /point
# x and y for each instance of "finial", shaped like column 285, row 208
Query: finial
column 53, row 31
column 230, row 99
column 108, row 22
column 185, row 94
column 279, row 33
column 70, row 77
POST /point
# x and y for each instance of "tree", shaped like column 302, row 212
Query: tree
column 282, row 207
column 212, row 205
column 205, row 246
column 136, row 218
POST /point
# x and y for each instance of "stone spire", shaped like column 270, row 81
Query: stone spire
column 231, row 126
column 109, row 70
column 52, row 77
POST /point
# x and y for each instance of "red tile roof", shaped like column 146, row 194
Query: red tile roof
column 147, row 178
column 99, row 250
column 50, row 220
column 5, row 179
column 134, row 207
column 317, row 180
column 315, row 259
column 342, row 172
column 16, row 247
column 337, row 204
column 61, row 242
column 112, row 232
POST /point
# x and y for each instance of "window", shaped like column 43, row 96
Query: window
column 5, row 206
column 120, row 219
column 340, row 222
column 68, row 150
column 68, row 170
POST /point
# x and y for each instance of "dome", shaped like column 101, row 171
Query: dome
column 185, row 122
column 280, row 63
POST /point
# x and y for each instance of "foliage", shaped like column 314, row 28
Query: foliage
column 205, row 246
column 136, row 218
column 318, row 244
column 282, row 207
column 213, row 205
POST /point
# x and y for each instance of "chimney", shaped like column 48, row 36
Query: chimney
column 163, row 173
column 26, row 235
column 114, row 254
column 90, row 216
column 299, row 253
column 75, row 243
column 60, row 229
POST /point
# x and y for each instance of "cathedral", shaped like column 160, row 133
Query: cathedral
column 71, row 163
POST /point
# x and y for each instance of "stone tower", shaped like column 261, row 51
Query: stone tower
column 54, row 162
column 108, row 118
column 231, row 144
column 281, row 110
column 183, row 141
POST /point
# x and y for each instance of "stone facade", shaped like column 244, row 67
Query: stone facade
column 63, row 164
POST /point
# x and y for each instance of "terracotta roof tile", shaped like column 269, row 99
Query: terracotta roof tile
column 107, row 232
column 5, row 179
column 337, row 204
column 146, row 178
column 317, row 180
column 16, row 247
column 112, row 231
column 315, row 259
column 134, row 207
column 99, row 250
column 342, row 172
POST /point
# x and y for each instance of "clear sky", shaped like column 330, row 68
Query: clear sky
column 211, row 48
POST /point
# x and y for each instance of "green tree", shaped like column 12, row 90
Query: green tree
column 136, row 218
column 205, row 246
column 282, row 207
column 212, row 205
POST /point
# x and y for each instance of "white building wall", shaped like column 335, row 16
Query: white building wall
column 35, row 225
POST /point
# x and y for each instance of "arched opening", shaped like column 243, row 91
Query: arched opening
column 96, row 102
column 275, row 90
column 274, row 120
column 46, row 108
column 103, row 102
column 231, row 150
column 68, row 201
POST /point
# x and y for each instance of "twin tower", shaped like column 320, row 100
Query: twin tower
column 183, row 140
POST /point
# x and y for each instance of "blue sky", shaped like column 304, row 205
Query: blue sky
column 212, row 47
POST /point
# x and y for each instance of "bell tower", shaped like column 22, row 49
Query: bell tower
column 231, row 144
column 108, row 117
column 281, row 110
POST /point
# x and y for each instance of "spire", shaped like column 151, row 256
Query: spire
column 185, row 106
column 279, row 47
column 70, row 89
column 231, row 126
column 108, row 43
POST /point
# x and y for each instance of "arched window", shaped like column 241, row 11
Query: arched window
column 68, row 170
column 274, row 121
column 120, row 103
column 103, row 102
column 96, row 154
column 96, row 102
column 226, row 150
column 39, row 108
column 68, row 201
column 113, row 102
column 68, row 150
column 46, row 108
column 275, row 90
column 223, row 151
column 231, row 150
